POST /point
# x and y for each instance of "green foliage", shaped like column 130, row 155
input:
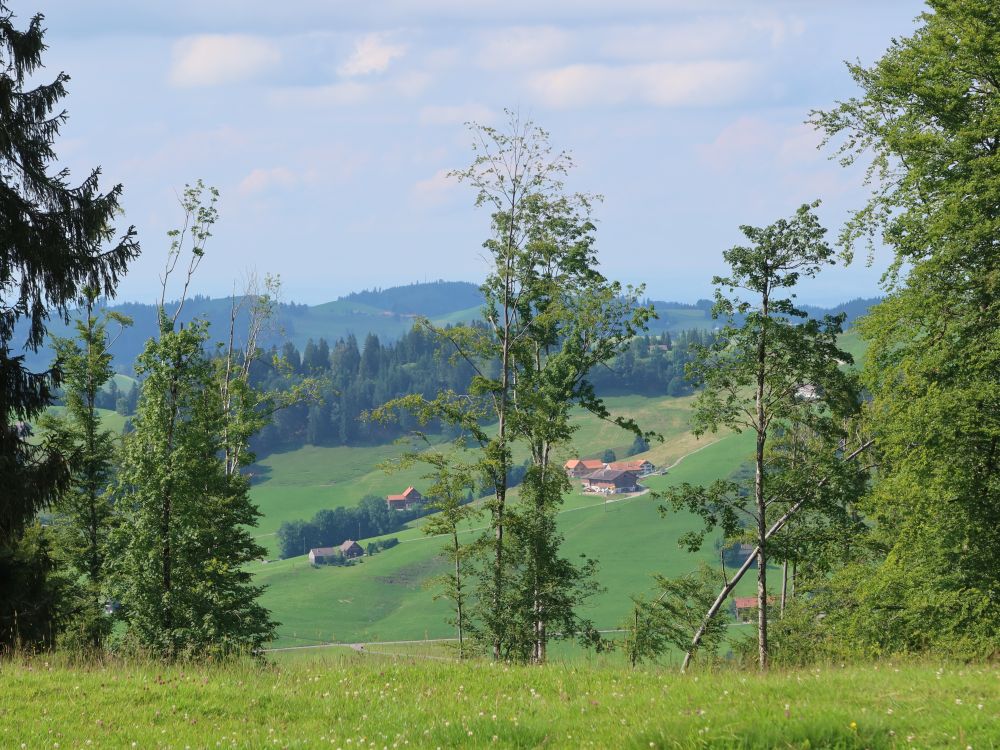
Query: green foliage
column 57, row 239
column 84, row 512
column 639, row 445
column 183, row 536
column 35, row 604
column 667, row 622
column 926, row 122
column 766, row 375
column 450, row 513
column 550, row 318
column 183, row 539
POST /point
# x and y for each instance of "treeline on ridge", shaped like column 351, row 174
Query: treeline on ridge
column 354, row 379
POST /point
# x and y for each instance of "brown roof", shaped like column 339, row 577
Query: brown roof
column 323, row 551
column 749, row 602
column 346, row 546
column 609, row 475
column 628, row 465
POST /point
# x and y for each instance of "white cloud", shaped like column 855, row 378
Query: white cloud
column 664, row 84
column 779, row 29
column 456, row 114
column 261, row 179
column 801, row 144
column 435, row 189
column 522, row 47
column 372, row 54
column 337, row 94
column 215, row 59
column 702, row 38
column 330, row 164
column 411, row 84
column 753, row 141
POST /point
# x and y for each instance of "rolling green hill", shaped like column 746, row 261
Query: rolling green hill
column 388, row 313
column 110, row 420
column 383, row 598
column 295, row 484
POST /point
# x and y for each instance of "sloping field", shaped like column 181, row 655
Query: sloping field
column 295, row 484
column 382, row 597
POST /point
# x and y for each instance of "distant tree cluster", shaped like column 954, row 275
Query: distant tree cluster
column 651, row 365
column 330, row 528
column 352, row 380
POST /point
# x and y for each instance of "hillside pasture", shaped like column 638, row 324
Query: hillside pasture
column 295, row 484
column 383, row 597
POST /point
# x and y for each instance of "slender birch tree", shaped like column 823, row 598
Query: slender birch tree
column 186, row 514
column 550, row 317
column 766, row 372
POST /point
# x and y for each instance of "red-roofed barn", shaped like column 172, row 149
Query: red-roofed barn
column 578, row 468
column 406, row 500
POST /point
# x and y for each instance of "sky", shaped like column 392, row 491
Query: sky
column 330, row 127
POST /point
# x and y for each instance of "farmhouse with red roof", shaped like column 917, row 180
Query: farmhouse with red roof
column 579, row 468
column 406, row 500
column 746, row 607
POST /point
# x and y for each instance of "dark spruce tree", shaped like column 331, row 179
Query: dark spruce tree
column 57, row 239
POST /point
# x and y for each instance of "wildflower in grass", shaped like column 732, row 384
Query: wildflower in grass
column 854, row 726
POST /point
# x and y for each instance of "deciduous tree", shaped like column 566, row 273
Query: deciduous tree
column 767, row 372
column 186, row 515
column 925, row 122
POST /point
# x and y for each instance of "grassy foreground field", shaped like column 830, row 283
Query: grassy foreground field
column 355, row 701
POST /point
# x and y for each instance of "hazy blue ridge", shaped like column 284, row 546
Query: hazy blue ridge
column 388, row 313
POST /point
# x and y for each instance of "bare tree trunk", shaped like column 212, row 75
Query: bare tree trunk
column 759, row 498
column 762, row 609
column 728, row 588
column 458, row 596
column 784, row 586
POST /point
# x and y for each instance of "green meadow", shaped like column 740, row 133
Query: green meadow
column 348, row 701
column 295, row 484
column 384, row 597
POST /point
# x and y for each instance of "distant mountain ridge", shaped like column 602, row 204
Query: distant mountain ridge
column 388, row 313
column 428, row 298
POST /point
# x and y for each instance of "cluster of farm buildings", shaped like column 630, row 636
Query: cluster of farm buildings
column 348, row 551
column 608, row 478
column 597, row 477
